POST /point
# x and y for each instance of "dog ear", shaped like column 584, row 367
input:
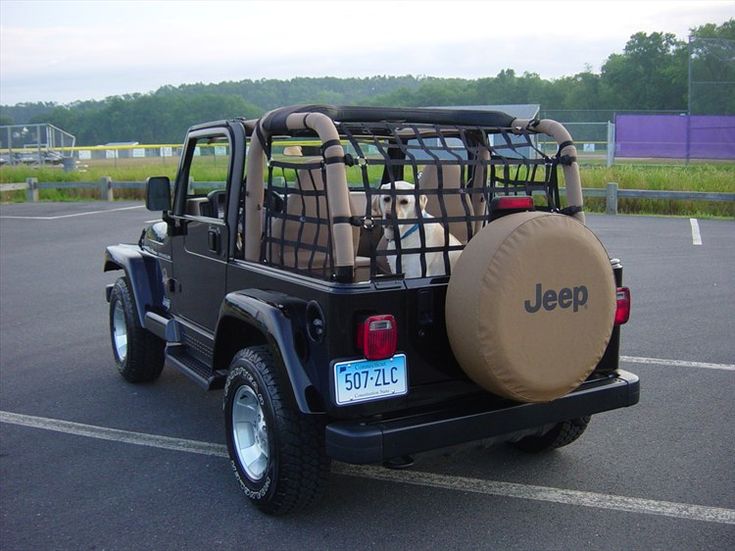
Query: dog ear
column 423, row 200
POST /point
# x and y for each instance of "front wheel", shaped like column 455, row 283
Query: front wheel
column 562, row 434
column 276, row 452
column 139, row 354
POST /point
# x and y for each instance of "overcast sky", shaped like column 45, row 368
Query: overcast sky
column 65, row 51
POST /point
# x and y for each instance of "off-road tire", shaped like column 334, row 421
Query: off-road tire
column 144, row 358
column 562, row 434
column 297, row 466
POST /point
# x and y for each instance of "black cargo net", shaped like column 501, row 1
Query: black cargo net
column 297, row 222
column 418, row 193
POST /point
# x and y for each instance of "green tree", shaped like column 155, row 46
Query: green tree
column 712, row 30
column 712, row 69
column 147, row 118
column 651, row 73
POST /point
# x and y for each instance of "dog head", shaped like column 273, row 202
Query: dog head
column 400, row 207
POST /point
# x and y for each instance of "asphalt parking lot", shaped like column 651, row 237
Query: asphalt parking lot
column 660, row 475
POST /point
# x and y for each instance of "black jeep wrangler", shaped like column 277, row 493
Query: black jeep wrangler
column 370, row 283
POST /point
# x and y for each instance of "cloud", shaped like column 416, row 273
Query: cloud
column 65, row 51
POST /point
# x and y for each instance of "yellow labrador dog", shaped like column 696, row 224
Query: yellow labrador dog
column 409, row 234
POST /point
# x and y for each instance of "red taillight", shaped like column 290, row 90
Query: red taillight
column 377, row 336
column 623, row 310
column 523, row 202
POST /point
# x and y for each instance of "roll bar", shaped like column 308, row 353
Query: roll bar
column 572, row 180
column 337, row 191
column 293, row 119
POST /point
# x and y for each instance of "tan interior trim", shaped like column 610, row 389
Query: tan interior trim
column 250, row 125
column 194, row 205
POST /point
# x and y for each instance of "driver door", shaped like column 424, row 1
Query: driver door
column 200, row 250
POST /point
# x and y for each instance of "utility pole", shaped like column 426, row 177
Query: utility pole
column 689, row 76
column 689, row 96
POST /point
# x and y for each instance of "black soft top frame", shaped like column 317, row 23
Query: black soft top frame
column 275, row 121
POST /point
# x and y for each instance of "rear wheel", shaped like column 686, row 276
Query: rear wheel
column 562, row 434
column 277, row 452
column 138, row 353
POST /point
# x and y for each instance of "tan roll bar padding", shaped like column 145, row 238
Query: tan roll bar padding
column 254, row 195
column 572, row 180
column 338, row 196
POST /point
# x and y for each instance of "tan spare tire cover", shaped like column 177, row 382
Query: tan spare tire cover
column 530, row 306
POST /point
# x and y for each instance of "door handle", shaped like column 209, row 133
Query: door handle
column 214, row 240
column 171, row 285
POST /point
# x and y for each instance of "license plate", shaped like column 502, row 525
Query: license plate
column 365, row 380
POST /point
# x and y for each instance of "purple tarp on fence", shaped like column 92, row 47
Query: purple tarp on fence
column 675, row 136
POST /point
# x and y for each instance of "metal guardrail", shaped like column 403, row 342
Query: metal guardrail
column 105, row 185
column 611, row 193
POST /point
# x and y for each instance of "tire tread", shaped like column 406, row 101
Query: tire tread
column 562, row 434
column 303, row 462
column 145, row 355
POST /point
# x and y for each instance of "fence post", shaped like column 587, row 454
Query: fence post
column 190, row 187
column 106, row 193
column 610, row 143
column 32, row 191
column 611, row 199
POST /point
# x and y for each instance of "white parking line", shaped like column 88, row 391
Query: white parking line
column 676, row 363
column 546, row 493
column 696, row 236
column 115, row 435
column 595, row 500
column 70, row 215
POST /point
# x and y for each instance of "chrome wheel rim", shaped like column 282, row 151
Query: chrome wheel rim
column 250, row 433
column 119, row 332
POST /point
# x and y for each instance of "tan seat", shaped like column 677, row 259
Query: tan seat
column 455, row 204
column 308, row 233
column 361, row 239
column 195, row 205
column 358, row 203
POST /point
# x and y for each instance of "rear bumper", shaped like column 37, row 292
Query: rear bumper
column 376, row 441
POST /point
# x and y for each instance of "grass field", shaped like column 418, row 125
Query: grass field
column 714, row 177
column 719, row 178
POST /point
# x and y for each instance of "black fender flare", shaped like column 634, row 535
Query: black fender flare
column 264, row 311
column 142, row 272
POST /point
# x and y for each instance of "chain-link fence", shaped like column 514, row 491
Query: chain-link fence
column 35, row 144
column 593, row 131
column 139, row 154
column 711, row 76
column 595, row 141
column 568, row 116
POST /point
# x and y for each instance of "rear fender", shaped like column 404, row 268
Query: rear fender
column 142, row 272
column 267, row 312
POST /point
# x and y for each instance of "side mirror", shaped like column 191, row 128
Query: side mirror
column 158, row 193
